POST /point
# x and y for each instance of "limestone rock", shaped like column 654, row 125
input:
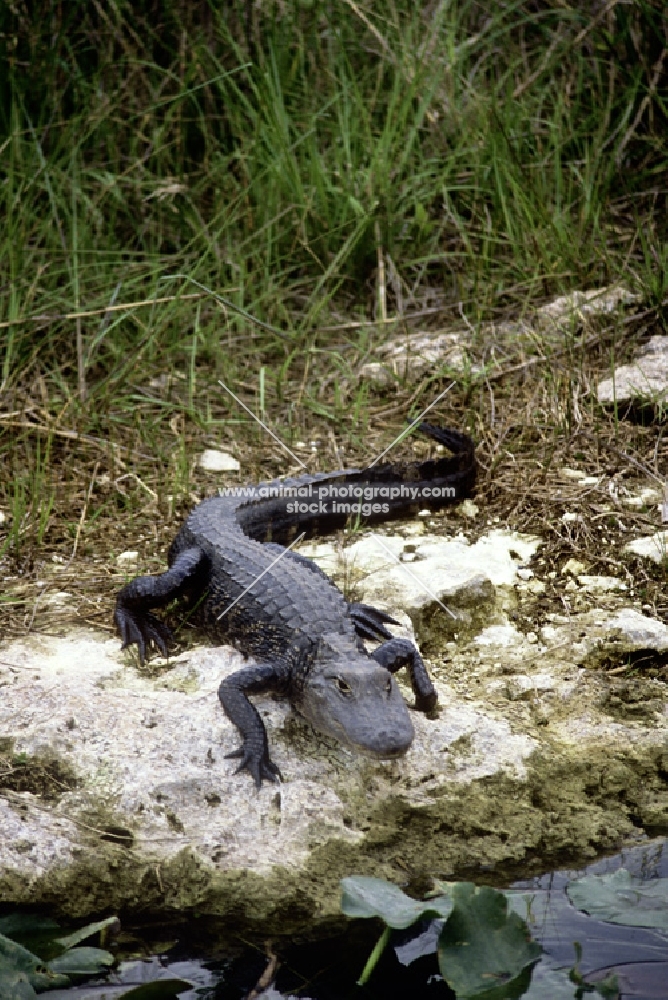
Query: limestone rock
column 116, row 794
column 581, row 306
column 654, row 547
column 645, row 380
column 414, row 354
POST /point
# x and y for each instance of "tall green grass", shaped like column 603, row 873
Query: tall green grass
column 494, row 152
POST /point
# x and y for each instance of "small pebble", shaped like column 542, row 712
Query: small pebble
column 212, row 460
column 127, row 557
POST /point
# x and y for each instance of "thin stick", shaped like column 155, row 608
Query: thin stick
column 382, row 287
column 228, row 304
column 268, row 976
column 375, row 322
column 372, row 28
column 592, row 338
column 81, row 367
column 56, row 317
column 70, row 435
column 656, row 76
column 83, row 514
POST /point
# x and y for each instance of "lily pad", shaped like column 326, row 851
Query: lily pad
column 82, row 962
column 15, row 958
column 551, row 984
column 482, row 946
column 165, row 989
column 374, row 897
column 621, row 898
column 16, row 986
column 18, row 964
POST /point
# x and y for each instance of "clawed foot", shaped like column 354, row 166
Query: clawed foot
column 259, row 763
column 143, row 629
column 426, row 702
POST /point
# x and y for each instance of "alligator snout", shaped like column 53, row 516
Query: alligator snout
column 389, row 743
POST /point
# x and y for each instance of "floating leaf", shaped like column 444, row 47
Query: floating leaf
column 15, row 959
column 482, row 946
column 164, row 989
column 82, row 962
column 85, row 932
column 16, row 986
column 147, row 979
column 551, row 984
column 374, row 897
column 621, row 898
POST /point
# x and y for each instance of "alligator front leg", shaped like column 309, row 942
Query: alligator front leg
column 233, row 693
column 134, row 621
column 398, row 653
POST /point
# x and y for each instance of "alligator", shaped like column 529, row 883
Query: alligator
column 230, row 561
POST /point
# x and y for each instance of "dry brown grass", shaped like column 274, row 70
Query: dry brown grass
column 531, row 415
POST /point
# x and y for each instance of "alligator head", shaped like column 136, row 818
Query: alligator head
column 357, row 701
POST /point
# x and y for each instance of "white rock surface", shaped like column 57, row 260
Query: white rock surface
column 646, row 379
column 410, row 355
column 653, row 547
column 156, row 811
column 152, row 752
column 562, row 312
column 639, row 630
column 212, row 460
column 601, row 583
column 386, row 573
column 416, row 353
column 127, row 557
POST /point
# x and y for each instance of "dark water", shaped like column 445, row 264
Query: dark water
column 328, row 969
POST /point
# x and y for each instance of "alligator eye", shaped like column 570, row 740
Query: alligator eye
column 389, row 685
column 343, row 686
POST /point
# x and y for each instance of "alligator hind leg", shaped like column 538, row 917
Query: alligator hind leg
column 132, row 616
column 398, row 653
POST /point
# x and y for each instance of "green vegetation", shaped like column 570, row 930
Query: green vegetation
column 492, row 151
column 319, row 165
column 34, row 959
column 484, row 944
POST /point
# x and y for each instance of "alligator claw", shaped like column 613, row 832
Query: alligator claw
column 370, row 622
column 143, row 630
column 260, row 765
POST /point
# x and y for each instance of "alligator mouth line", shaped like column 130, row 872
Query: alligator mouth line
column 382, row 753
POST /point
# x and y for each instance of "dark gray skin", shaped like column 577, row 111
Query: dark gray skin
column 307, row 640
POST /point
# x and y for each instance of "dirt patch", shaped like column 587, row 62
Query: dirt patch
column 44, row 775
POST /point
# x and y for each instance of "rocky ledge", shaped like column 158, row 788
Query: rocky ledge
column 551, row 742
